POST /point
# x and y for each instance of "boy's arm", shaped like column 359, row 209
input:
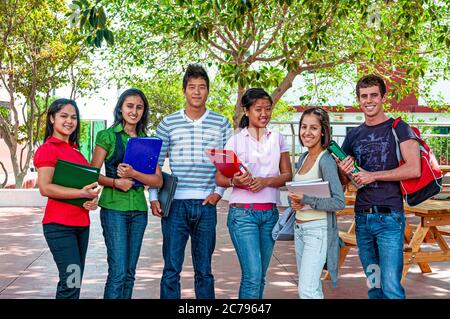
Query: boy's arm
column 410, row 150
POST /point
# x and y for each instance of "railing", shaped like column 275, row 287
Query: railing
column 439, row 143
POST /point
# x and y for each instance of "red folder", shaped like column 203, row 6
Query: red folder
column 226, row 162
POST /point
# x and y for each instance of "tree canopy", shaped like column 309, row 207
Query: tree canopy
column 268, row 43
column 39, row 52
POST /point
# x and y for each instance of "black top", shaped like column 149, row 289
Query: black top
column 373, row 148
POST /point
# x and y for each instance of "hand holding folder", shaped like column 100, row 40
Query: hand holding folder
column 142, row 153
column 166, row 193
column 227, row 163
column 74, row 175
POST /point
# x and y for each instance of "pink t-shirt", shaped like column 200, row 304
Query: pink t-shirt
column 262, row 159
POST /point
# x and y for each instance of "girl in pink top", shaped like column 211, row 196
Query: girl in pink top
column 253, row 212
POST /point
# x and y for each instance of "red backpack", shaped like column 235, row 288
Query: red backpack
column 417, row 190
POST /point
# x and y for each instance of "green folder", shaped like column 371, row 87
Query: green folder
column 74, row 175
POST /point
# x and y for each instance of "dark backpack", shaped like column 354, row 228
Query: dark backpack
column 417, row 190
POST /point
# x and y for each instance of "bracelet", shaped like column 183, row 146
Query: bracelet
column 114, row 183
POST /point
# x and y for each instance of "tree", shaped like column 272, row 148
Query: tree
column 37, row 48
column 269, row 43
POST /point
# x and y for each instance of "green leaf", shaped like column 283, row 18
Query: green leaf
column 82, row 21
column 78, row 4
column 109, row 36
column 101, row 18
column 97, row 42
column 93, row 17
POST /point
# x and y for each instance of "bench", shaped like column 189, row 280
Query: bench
column 444, row 230
column 349, row 239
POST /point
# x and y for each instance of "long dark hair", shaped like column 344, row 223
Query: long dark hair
column 54, row 108
column 118, row 118
column 324, row 120
column 248, row 99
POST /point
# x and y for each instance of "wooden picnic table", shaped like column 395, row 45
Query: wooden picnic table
column 445, row 169
column 434, row 224
column 432, row 213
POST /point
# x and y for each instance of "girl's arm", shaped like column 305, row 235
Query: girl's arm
column 238, row 179
column 46, row 188
column 152, row 180
column 275, row 181
column 222, row 180
column 98, row 158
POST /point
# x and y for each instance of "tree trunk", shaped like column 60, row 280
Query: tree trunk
column 285, row 85
column 5, row 181
column 238, row 110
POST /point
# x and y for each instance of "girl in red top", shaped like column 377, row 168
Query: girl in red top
column 66, row 226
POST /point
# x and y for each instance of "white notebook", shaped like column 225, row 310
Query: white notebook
column 313, row 187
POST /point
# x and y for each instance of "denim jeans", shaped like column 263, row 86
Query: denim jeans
column 123, row 232
column 311, row 255
column 68, row 245
column 380, row 238
column 251, row 234
column 188, row 217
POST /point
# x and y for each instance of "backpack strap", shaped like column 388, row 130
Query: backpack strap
column 396, row 121
column 397, row 142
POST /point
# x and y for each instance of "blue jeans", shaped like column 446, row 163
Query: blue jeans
column 311, row 254
column 188, row 217
column 123, row 233
column 251, row 234
column 68, row 245
column 380, row 238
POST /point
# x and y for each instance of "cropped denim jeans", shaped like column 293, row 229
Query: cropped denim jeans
column 251, row 234
column 311, row 255
column 123, row 232
column 380, row 238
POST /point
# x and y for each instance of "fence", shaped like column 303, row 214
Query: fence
column 439, row 143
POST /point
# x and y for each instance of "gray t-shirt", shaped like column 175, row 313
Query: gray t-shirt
column 373, row 148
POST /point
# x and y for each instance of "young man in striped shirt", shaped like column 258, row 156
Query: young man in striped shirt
column 186, row 134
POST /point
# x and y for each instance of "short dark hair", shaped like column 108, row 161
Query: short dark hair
column 371, row 80
column 195, row 71
column 118, row 117
column 324, row 120
column 248, row 99
column 54, row 108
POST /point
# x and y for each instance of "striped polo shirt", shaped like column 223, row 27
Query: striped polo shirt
column 185, row 142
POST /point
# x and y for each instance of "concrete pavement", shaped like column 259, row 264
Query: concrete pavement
column 27, row 269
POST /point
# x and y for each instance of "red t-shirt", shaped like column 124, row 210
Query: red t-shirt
column 59, row 212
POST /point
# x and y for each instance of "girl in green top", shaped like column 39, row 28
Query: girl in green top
column 124, row 208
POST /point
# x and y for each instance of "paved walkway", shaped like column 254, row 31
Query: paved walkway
column 27, row 269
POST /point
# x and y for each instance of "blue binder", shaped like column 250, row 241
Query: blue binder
column 142, row 153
